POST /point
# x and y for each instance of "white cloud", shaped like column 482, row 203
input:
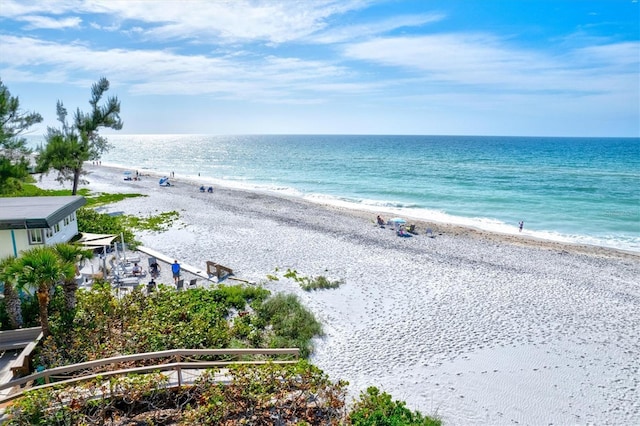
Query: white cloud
column 352, row 32
column 45, row 22
column 161, row 72
column 273, row 21
column 224, row 21
column 479, row 60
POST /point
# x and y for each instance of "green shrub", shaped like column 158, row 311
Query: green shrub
column 92, row 221
column 29, row 308
column 378, row 409
column 292, row 324
column 319, row 283
column 308, row 283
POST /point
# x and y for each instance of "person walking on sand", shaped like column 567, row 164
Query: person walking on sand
column 521, row 225
column 175, row 268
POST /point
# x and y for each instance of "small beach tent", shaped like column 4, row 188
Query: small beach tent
column 164, row 181
column 397, row 222
column 127, row 175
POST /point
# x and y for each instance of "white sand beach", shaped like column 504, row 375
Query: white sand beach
column 473, row 327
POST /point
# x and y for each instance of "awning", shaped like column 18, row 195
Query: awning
column 89, row 240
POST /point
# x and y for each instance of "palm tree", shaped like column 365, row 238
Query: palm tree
column 42, row 269
column 9, row 272
column 70, row 255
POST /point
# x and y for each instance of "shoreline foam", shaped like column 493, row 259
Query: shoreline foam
column 524, row 238
column 478, row 328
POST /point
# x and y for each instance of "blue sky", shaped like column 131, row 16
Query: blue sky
column 458, row 67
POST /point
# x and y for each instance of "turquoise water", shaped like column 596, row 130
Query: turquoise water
column 582, row 190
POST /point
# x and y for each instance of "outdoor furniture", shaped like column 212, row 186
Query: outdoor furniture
column 180, row 285
column 193, row 283
column 218, row 270
column 122, row 281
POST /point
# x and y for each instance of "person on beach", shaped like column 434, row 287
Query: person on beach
column 154, row 269
column 175, row 268
column 202, row 188
column 137, row 270
column 380, row 221
column 521, row 225
column 210, row 190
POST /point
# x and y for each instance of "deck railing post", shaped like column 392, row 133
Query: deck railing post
column 179, row 371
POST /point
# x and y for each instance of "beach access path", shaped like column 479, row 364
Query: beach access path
column 198, row 272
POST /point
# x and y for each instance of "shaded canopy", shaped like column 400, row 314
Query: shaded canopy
column 92, row 241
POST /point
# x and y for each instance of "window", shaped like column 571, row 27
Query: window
column 56, row 227
column 73, row 216
column 66, row 221
column 48, row 232
column 35, row 236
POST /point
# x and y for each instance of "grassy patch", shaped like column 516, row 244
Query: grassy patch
column 102, row 199
column 157, row 223
column 310, row 283
column 319, row 283
column 93, row 200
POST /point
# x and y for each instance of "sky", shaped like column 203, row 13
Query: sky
column 429, row 67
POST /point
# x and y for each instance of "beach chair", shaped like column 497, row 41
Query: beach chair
column 180, row 285
column 412, row 229
column 193, row 283
column 429, row 233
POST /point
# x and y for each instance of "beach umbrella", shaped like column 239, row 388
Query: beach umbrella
column 398, row 220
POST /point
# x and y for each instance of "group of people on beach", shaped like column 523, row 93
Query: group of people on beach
column 209, row 190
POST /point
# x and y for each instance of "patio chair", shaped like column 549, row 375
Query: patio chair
column 180, row 285
column 193, row 283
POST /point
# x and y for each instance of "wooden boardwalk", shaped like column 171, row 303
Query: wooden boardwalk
column 182, row 368
column 199, row 272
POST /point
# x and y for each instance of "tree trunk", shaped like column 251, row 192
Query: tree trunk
column 43, row 310
column 70, row 299
column 76, row 180
column 13, row 305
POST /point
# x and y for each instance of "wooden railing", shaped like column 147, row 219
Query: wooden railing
column 61, row 374
column 18, row 339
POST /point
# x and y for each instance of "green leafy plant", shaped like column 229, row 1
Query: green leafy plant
column 292, row 324
column 376, row 408
column 319, row 282
column 92, row 221
column 309, row 283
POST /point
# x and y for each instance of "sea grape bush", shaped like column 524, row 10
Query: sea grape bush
column 227, row 316
column 376, row 408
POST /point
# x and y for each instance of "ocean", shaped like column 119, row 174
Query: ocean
column 577, row 190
